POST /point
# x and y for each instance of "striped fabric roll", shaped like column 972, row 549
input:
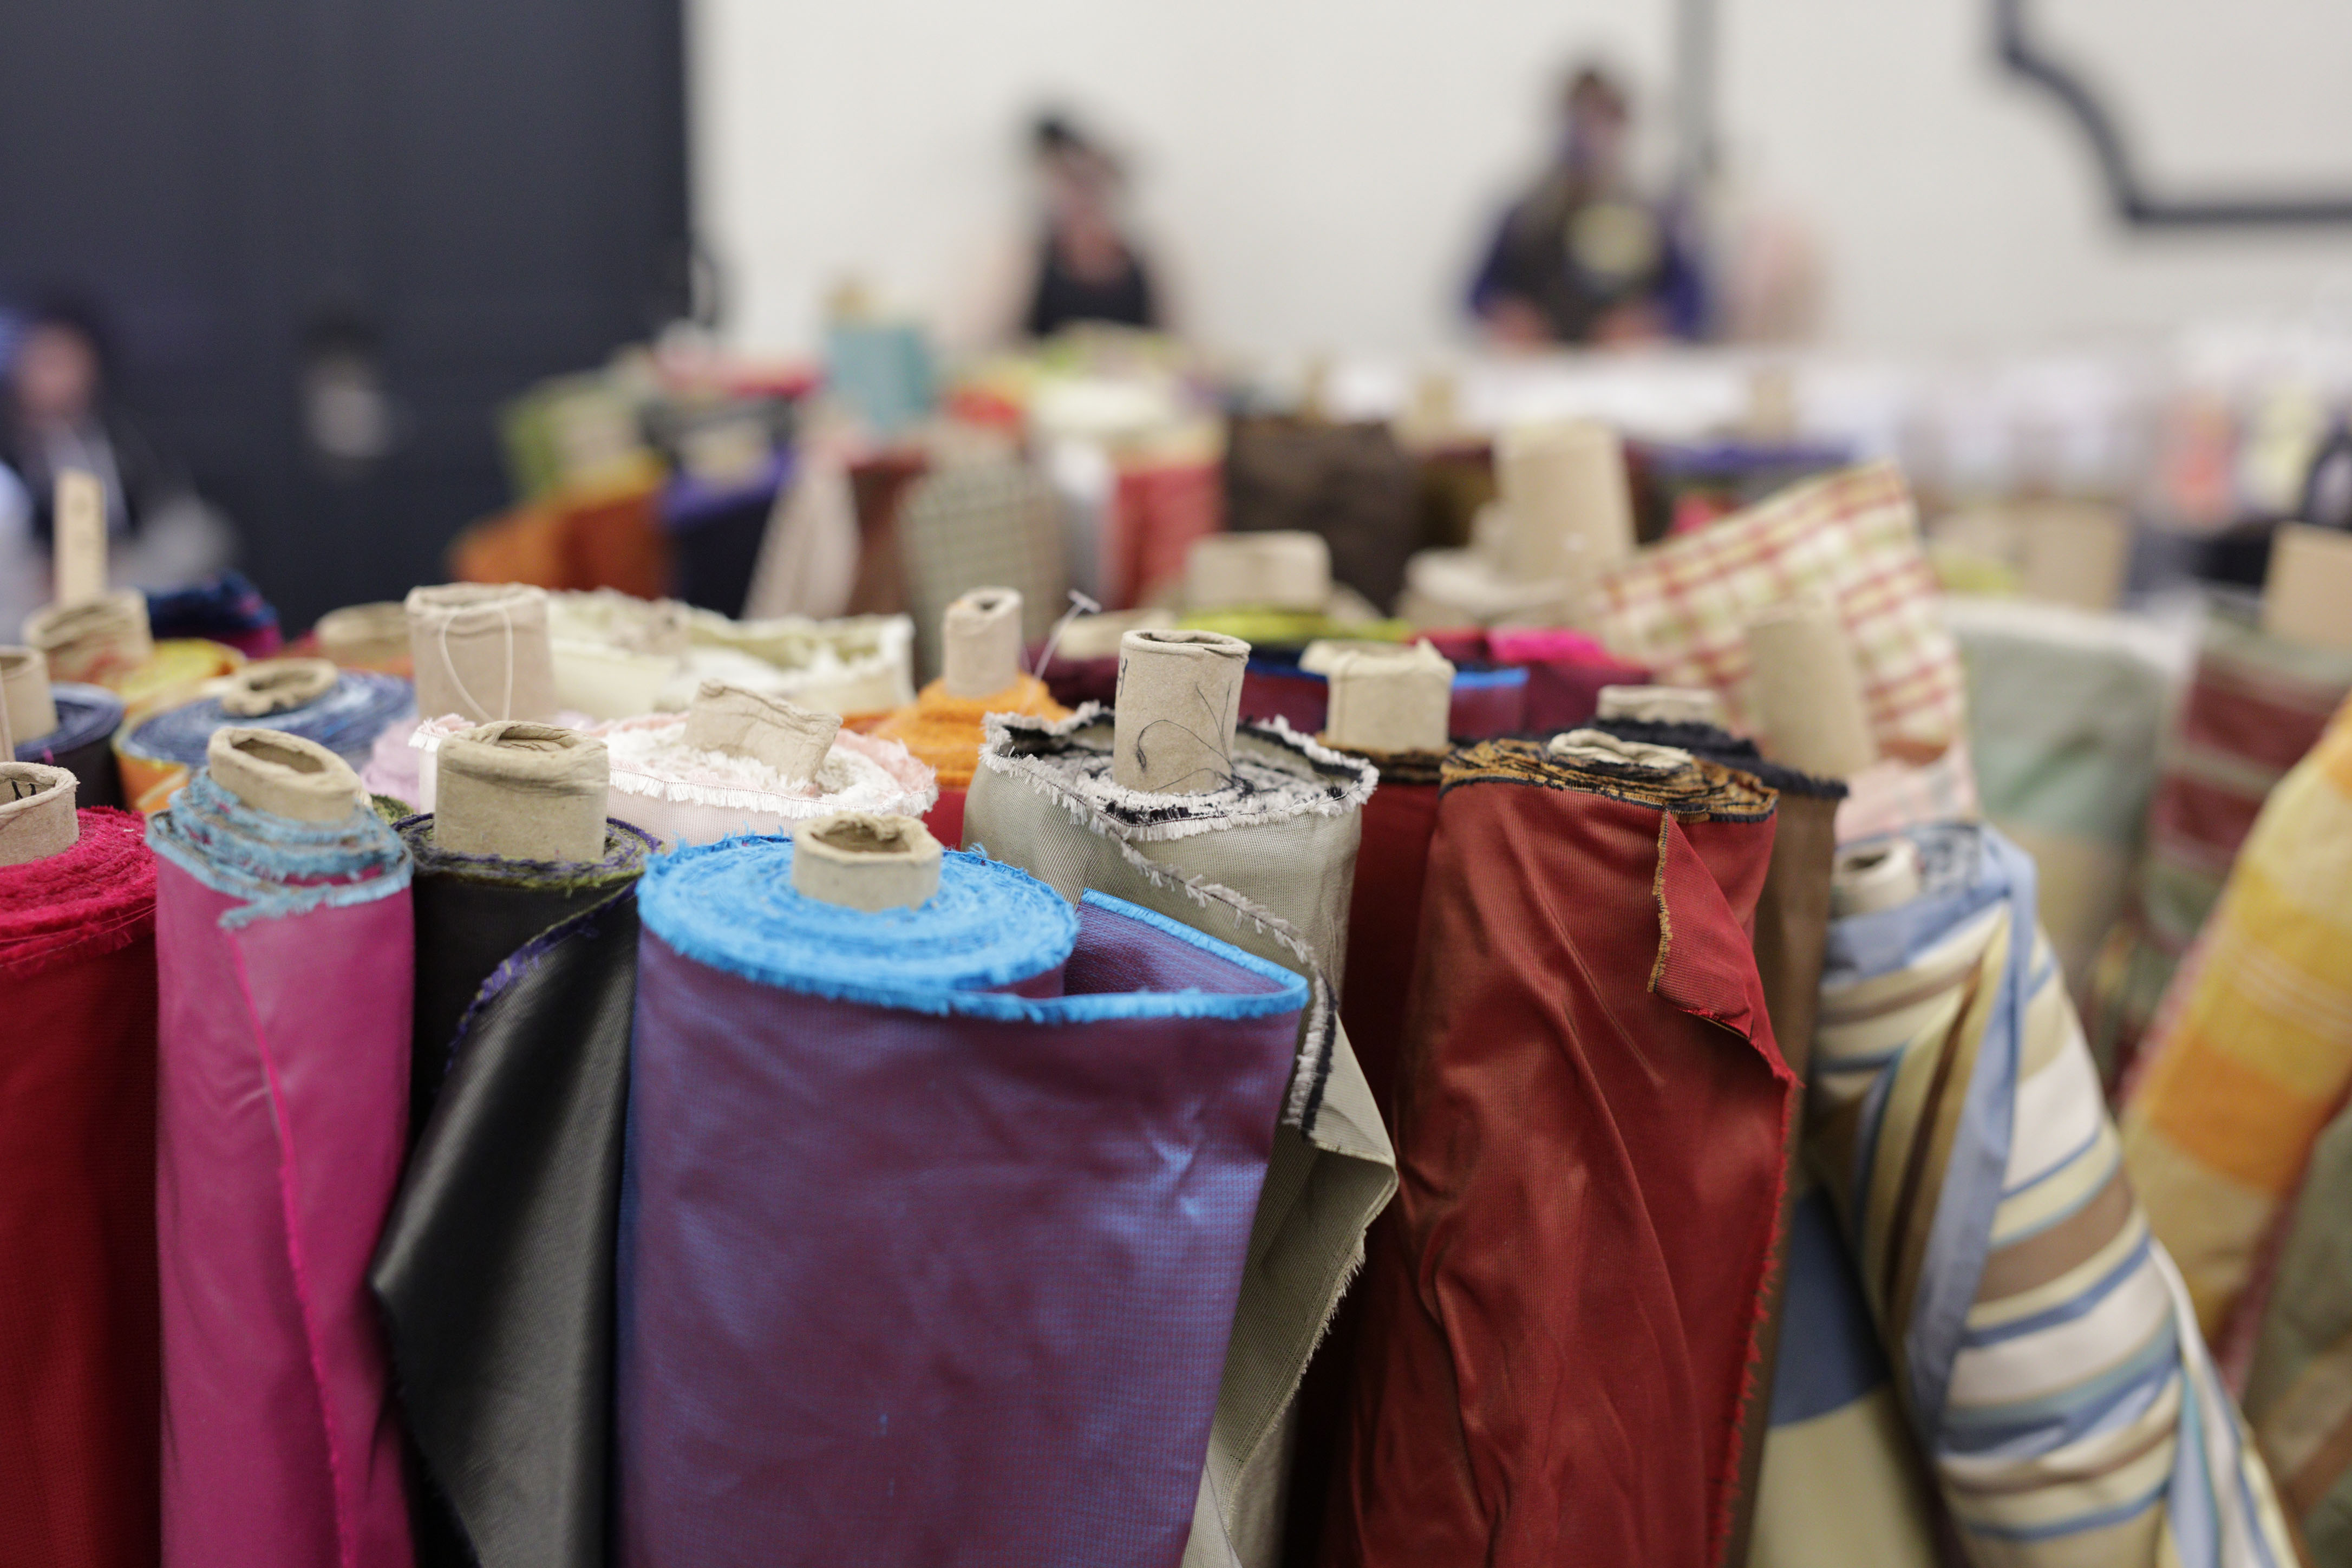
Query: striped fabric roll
column 2043, row 1344
column 2255, row 707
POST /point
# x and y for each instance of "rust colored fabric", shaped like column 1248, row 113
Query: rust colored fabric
column 1590, row 1115
column 598, row 539
column 944, row 733
column 1384, row 914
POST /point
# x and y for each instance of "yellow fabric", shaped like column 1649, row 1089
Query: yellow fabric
column 2252, row 1050
column 176, row 667
column 944, row 731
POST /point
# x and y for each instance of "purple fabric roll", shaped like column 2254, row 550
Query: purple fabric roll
column 284, row 958
column 940, row 1277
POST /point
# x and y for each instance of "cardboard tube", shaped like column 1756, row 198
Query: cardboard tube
column 365, row 634
column 2307, row 594
column 283, row 775
column 1390, row 699
column 1807, row 693
column 1874, row 876
column 1565, row 495
column 746, row 723
column 1662, row 705
column 276, row 684
column 982, row 636
column 81, row 537
column 92, row 640
column 24, row 701
column 37, row 812
column 481, row 651
column 521, row 792
column 864, row 860
column 1179, row 696
column 1282, row 569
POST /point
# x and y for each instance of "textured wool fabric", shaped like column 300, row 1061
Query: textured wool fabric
column 1351, row 485
column 2251, row 1054
column 495, row 1271
column 1682, row 608
column 156, row 753
column 2254, row 706
column 981, row 525
column 1560, row 1321
column 2066, row 711
column 473, row 913
column 1266, row 863
column 2299, row 1397
column 935, row 1218
column 944, row 732
column 2043, row 1344
column 284, row 955
column 225, row 608
column 83, row 741
column 77, row 1313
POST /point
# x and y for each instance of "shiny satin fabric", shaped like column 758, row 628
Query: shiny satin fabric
column 1792, row 921
column 475, row 912
column 495, row 1272
column 2043, row 1344
column 1268, row 864
column 1561, row 1320
column 930, row 1259
column 77, row 1313
column 284, row 955
column 83, row 743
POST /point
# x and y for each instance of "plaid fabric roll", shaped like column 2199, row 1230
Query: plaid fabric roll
column 986, row 525
column 2044, row 1346
column 1683, row 607
column 2255, row 707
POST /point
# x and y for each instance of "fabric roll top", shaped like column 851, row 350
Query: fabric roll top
column 157, row 753
column 270, row 866
column 2044, row 1344
column 88, row 717
column 171, row 672
column 996, row 1159
column 226, row 608
column 944, row 733
column 77, row 1312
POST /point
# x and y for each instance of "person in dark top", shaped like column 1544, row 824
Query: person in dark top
column 1582, row 257
column 1088, row 267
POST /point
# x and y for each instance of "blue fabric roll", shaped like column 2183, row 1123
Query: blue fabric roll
column 346, row 720
column 88, row 717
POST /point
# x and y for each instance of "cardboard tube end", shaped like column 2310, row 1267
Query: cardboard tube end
column 864, row 860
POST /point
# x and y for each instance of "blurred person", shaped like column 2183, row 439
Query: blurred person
column 1583, row 257
column 61, row 413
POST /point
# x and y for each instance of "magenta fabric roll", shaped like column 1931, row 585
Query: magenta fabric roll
column 285, row 957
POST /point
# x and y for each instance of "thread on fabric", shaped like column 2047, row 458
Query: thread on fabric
column 1080, row 605
column 277, row 866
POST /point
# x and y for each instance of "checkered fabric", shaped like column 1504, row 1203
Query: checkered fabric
column 1682, row 608
column 984, row 525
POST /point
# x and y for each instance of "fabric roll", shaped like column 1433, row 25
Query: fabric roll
column 98, row 640
column 285, row 956
column 2251, row 1054
column 83, row 741
column 2043, row 1344
column 1350, row 484
column 1682, row 608
column 2067, row 712
column 859, row 664
column 1158, row 509
column 1266, row 863
column 2299, row 1397
column 996, row 1162
column 2254, row 706
column 1588, row 1073
column 77, row 1312
column 981, row 525
column 1892, row 796
column 157, row 753
column 495, row 1271
column 944, row 733
column 226, row 608
column 364, row 636
column 1564, row 672
column 1264, row 628
column 171, row 672
column 481, row 651
column 614, row 656
column 1790, row 938
column 1486, row 702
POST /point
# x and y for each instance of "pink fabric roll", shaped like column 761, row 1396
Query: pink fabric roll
column 285, row 973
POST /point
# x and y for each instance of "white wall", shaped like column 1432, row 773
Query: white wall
column 1325, row 169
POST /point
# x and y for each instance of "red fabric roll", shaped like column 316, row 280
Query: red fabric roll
column 1560, row 1310
column 1384, row 915
column 78, row 1316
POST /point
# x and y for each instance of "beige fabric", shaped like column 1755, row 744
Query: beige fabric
column 283, row 775
column 37, row 812
column 744, row 723
column 370, row 634
column 1663, row 705
column 1396, row 699
column 274, row 685
column 481, row 651
column 2307, row 597
column 980, row 636
column 1281, row 569
column 866, row 861
column 25, row 708
column 1097, row 637
column 1567, row 504
column 1180, row 695
column 1272, row 874
column 1806, row 691
column 522, row 792
column 90, row 641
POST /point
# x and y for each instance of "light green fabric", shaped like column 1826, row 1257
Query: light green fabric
column 1273, row 881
